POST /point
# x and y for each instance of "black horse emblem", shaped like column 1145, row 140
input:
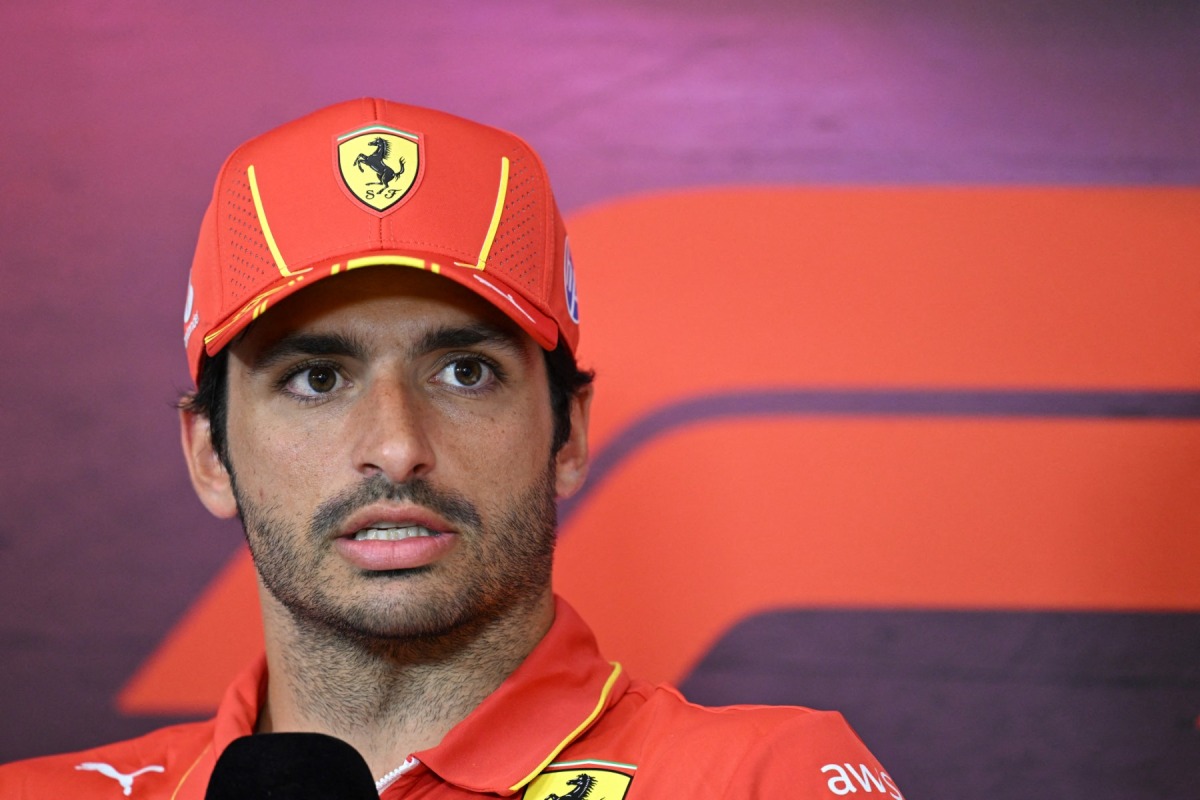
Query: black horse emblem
column 375, row 161
column 583, row 785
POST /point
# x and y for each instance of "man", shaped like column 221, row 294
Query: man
column 381, row 323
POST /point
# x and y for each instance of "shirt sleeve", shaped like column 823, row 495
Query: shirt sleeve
column 815, row 755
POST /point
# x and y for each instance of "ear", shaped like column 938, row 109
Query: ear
column 209, row 477
column 571, row 462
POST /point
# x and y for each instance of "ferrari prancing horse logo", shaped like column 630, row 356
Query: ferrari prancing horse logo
column 578, row 784
column 379, row 165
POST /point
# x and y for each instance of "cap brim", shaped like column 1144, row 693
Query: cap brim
column 491, row 287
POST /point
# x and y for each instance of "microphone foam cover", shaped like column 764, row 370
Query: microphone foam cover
column 290, row 766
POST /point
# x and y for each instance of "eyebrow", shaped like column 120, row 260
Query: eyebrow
column 449, row 338
column 307, row 344
column 337, row 344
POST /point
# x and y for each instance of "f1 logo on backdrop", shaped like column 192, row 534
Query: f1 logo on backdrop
column 899, row 398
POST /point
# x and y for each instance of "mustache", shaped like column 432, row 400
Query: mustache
column 451, row 506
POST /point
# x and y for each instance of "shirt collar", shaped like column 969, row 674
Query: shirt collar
column 556, row 694
column 238, row 713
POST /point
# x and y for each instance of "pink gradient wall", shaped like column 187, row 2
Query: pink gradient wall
column 116, row 116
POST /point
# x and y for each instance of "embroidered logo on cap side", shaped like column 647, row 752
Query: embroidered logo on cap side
column 378, row 165
column 569, row 282
column 190, row 320
column 577, row 784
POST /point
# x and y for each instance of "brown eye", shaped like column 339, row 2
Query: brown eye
column 468, row 373
column 322, row 379
column 315, row 381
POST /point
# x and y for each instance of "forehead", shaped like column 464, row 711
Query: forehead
column 378, row 303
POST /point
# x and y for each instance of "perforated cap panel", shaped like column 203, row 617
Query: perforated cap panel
column 246, row 256
column 520, row 239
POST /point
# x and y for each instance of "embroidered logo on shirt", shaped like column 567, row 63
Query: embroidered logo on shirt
column 578, row 784
column 109, row 771
column 849, row 778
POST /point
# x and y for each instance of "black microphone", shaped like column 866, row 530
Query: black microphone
column 290, row 766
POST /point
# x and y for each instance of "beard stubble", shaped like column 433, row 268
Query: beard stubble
column 510, row 555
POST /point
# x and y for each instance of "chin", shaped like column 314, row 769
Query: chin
column 408, row 619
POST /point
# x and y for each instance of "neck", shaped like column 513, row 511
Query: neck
column 389, row 698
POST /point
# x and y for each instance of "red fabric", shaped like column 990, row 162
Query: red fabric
column 282, row 217
column 565, row 710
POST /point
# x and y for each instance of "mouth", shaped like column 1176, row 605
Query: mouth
column 384, row 532
column 382, row 539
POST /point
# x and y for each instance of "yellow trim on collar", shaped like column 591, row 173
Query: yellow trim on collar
column 188, row 774
column 604, row 693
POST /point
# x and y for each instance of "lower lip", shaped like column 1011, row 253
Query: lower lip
column 377, row 556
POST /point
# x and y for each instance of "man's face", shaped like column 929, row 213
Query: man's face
column 390, row 442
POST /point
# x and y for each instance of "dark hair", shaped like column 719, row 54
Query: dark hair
column 566, row 381
column 209, row 400
column 211, row 396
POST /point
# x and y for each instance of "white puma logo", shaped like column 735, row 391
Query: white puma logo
column 108, row 771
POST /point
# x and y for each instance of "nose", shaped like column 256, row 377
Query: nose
column 389, row 428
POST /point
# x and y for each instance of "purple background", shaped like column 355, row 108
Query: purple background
column 116, row 116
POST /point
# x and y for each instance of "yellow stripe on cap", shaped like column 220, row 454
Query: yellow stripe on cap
column 266, row 228
column 481, row 264
column 380, row 261
column 604, row 693
column 250, row 306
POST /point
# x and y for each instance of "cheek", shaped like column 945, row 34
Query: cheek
column 498, row 451
column 275, row 464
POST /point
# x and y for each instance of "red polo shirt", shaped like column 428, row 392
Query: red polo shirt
column 566, row 721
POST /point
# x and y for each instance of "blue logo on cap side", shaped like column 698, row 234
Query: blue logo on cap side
column 569, row 283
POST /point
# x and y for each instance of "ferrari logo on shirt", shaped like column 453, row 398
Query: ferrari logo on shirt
column 578, row 784
column 379, row 165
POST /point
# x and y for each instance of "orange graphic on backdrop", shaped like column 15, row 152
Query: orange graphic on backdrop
column 733, row 289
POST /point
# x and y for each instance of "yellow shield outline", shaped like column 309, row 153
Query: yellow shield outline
column 609, row 784
column 379, row 166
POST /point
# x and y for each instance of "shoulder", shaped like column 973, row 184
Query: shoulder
column 667, row 714
column 748, row 750
column 153, row 765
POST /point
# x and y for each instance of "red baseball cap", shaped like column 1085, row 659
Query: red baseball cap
column 370, row 183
